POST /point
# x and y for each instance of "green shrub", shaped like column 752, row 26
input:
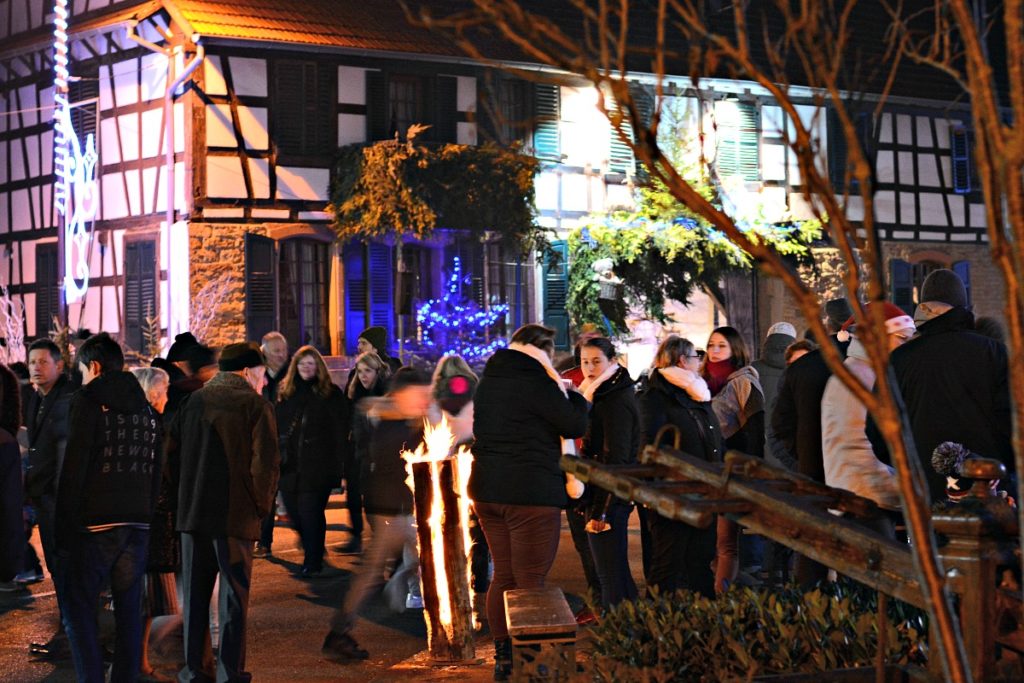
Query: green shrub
column 745, row 633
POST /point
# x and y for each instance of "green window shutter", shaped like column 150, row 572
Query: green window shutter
column 901, row 284
column 620, row 155
column 739, row 144
column 546, row 143
column 260, row 285
column 960, row 156
column 643, row 98
column 556, row 290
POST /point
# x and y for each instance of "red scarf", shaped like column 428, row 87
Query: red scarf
column 717, row 374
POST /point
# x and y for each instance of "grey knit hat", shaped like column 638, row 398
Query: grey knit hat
column 944, row 286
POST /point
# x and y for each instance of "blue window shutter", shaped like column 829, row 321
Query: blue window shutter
column 556, row 289
column 901, row 284
column 546, row 143
column 739, row 144
column 382, row 288
column 960, row 156
column 355, row 295
column 963, row 271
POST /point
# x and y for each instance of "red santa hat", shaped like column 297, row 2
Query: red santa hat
column 896, row 319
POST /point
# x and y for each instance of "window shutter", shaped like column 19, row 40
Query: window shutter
column 960, row 153
column 83, row 117
column 139, row 290
column 290, row 116
column 47, row 288
column 739, row 144
column 643, row 98
column 546, row 144
column 355, row 295
column 901, row 284
column 377, row 106
column 260, row 285
column 556, row 289
column 963, row 271
column 620, row 154
column 381, row 285
column 836, row 151
column 445, row 109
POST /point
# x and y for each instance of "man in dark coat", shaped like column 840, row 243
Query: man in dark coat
column 954, row 381
column 275, row 351
column 223, row 458
column 770, row 368
column 796, row 419
column 375, row 339
column 106, row 495
column 46, row 421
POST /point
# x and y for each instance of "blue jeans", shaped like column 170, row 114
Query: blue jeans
column 611, row 557
column 306, row 508
column 117, row 556
column 203, row 558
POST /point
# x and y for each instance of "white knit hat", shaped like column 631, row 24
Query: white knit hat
column 782, row 328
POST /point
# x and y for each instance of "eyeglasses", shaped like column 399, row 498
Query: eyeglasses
column 699, row 353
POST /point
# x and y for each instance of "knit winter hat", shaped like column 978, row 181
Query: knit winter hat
column 896, row 319
column 182, row 343
column 837, row 311
column 782, row 328
column 198, row 357
column 240, row 356
column 377, row 336
column 945, row 286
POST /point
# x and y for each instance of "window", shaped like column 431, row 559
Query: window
column 556, row 289
column 511, row 111
column 738, row 140
column 838, row 149
column 47, row 287
column 396, row 101
column 139, row 291
column 304, row 280
column 906, row 279
column 303, row 108
column 405, row 99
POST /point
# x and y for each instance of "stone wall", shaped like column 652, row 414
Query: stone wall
column 987, row 290
column 218, row 249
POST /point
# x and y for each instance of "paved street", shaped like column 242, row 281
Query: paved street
column 289, row 617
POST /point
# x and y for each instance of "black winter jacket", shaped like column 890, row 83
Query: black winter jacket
column 112, row 468
column 46, row 420
column 380, row 436
column 955, row 386
column 613, row 433
column 519, row 416
column 770, row 368
column 661, row 403
column 315, row 427
column 223, row 455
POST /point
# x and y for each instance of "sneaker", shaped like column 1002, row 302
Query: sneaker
column 261, row 551
column 31, row 576
column 343, row 647
column 413, row 601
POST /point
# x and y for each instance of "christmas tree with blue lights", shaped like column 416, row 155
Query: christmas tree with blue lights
column 455, row 324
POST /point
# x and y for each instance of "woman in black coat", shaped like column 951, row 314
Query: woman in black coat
column 681, row 555
column 613, row 437
column 523, row 411
column 310, row 418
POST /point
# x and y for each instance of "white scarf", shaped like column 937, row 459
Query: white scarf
column 689, row 381
column 589, row 387
column 573, row 486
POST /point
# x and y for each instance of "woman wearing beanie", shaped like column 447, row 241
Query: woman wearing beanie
column 523, row 411
column 850, row 462
column 613, row 438
column 310, row 418
column 676, row 394
column 738, row 402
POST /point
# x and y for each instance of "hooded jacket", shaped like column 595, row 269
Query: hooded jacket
column 662, row 402
column 613, row 433
column 315, row 427
column 112, row 468
column 46, row 420
column 847, row 455
column 520, row 416
column 223, row 458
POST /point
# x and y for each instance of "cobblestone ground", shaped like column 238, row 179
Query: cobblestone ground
column 288, row 620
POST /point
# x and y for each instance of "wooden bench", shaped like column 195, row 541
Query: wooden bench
column 543, row 633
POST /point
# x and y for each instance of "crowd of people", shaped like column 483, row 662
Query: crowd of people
column 174, row 472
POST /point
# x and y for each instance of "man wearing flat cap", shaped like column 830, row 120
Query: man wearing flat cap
column 223, row 457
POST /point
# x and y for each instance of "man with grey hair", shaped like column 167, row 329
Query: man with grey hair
column 275, row 352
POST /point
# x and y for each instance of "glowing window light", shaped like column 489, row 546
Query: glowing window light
column 76, row 192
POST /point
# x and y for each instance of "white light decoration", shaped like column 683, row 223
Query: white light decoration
column 76, row 192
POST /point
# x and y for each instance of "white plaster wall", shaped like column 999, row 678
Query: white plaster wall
column 885, row 128
column 219, row 131
column 249, row 76
column 585, row 132
column 259, row 172
column 904, row 126
column 224, row 177
column 213, row 76
column 908, row 210
column 924, row 131
column 153, row 76
column 177, row 265
column 885, row 167
column 351, row 129
column 351, row 85
column 773, row 162
column 978, row 217
column 885, row 206
column 933, row 209
column 254, row 127
column 928, row 170
column 302, row 183
column 905, row 160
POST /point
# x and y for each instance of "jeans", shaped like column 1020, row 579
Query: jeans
column 117, row 556
column 681, row 556
column 524, row 541
column 306, row 508
column 203, row 559
column 611, row 557
column 393, row 536
column 576, row 516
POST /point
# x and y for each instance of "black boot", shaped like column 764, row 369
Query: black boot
column 502, row 659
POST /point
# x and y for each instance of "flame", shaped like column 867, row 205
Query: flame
column 436, row 447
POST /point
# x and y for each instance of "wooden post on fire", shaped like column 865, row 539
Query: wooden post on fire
column 449, row 631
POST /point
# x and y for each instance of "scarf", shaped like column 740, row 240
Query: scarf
column 687, row 380
column 588, row 388
column 717, row 374
column 573, row 486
